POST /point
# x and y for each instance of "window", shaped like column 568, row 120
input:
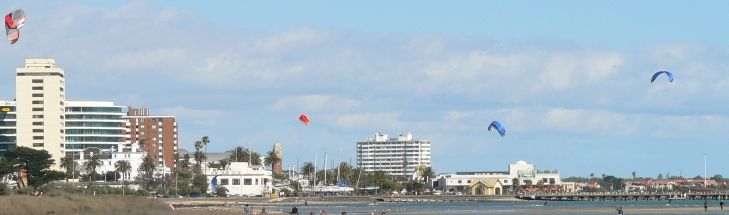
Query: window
column 38, row 116
column 37, row 144
column 37, row 123
column 62, row 117
column 224, row 181
column 37, row 80
column 37, row 109
column 37, row 137
column 459, row 181
column 256, row 181
column 61, row 89
column 37, row 102
column 37, row 130
column 469, row 181
column 236, row 181
column 37, row 94
column 38, row 88
column 61, row 102
column 247, row 181
column 61, row 131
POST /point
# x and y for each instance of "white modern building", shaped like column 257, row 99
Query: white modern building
column 95, row 124
column 241, row 179
column 7, row 126
column 40, row 94
column 394, row 156
column 525, row 172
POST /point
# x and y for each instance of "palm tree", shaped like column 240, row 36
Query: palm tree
column 255, row 158
column 91, row 165
column 239, row 154
column 307, row 169
column 427, row 174
column 185, row 161
column 223, row 163
column 205, row 141
column 271, row 160
column 69, row 164
column 123, row 167
column 147, row 167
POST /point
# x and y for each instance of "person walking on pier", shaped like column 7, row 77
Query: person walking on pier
column 706, row 206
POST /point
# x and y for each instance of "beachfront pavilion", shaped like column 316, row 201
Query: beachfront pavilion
column 490, row 186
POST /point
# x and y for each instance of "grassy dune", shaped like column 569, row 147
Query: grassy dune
column 80, row 204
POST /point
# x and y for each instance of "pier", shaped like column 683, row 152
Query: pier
column 624, row 196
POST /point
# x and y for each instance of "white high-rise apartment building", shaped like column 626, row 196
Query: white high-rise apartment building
column 394, row 156
column 40, row 94
column 95, row 124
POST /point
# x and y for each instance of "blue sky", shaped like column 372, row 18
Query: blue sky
column 569, row 79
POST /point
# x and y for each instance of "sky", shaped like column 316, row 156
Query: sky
column 570, row 80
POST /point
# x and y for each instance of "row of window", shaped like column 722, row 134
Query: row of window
column 40, row 102
column 93, row 131
column 85, row 146
column 8, row 123
column 85, row 116
column 95, row 109
column 236, row 181
column 95, row 124
column 94, row 139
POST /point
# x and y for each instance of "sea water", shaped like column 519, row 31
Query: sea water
column 522, row 207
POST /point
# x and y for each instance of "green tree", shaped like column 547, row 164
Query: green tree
column 91, row 165
column 221, row 191
column 205, row 140
column 515, row 184
column 223, row 163
column 271, row 160
column 239, row 154
column 185, row 163
column 147, row 169
column 68, row 164
column 307, row 169
column 427, row 173
column 124, row 168
column 414, row 187
column 255, row 158
column 35, row 163
column 199, row 184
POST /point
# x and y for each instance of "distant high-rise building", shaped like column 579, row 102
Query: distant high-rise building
column 95, row 125
column 394, row 156
column 7, row 126
column 40, row 94
column 157, row 135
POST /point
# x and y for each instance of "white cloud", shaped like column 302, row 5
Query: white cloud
column 371, row 121
column 199, row 117
column 314, row 103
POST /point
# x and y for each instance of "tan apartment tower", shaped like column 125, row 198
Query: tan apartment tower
column 158, row 133
column 40, row 93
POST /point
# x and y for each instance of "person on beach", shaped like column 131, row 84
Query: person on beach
column 323, row 212
column 306, row 203
column 721, row 204
column 294, row 210
column 247, row 209
column 620, row 210
column 263, row 210
column 706, row 206
column 344, row 213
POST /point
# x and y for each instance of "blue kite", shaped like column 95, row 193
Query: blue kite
column 497, row 125
column 670, row 76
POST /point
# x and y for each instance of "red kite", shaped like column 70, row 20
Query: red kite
column 305, row 119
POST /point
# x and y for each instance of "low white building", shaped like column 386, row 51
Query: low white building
column 241, row 179
column 525, row 172
column 108, row 160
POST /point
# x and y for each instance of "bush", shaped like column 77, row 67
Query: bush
column 221, row 192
